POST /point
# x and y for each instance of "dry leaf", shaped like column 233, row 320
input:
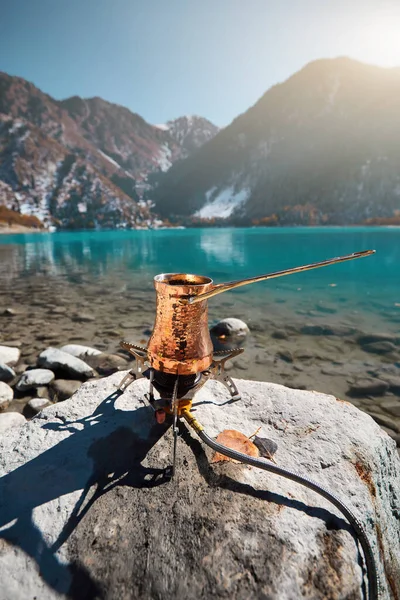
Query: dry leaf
column 237, row 441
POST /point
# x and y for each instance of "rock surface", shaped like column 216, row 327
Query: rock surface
column 85, row 503
column 34, row 378
column 9, row 355
column 56, row 360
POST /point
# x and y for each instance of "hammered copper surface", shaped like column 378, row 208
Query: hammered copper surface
column 180, row 342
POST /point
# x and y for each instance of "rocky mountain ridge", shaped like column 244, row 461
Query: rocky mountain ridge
column 81, row 163
column 320, row 148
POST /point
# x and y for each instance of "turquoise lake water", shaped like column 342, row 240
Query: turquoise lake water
column 223, row 255
column 96, row 288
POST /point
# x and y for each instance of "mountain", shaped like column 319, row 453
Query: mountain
column 322, row 147
column 190, row 132
column 84, row 162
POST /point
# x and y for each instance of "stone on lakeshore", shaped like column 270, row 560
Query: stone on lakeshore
column 367, row 387
column 9, row 355
column 58, row 310
column 394, row 384
column 62, row 389
column 10, row 312
column 8, row 422
column 379, row 347
column 56, row 360
column 35, row 405
column 325, row 308
column 34, row 378
column 20, row 368
column 292, row 538
column 15, row 343
column 285, row 355
column 385, row 421
column 42, row 392
column 229, row 333
column 279, row 334
column 80, row 351
column 6, row 395
column 392, row 407
column 338, row 330
column 83, row 318
column 106, row 364
column 369, row 338
column 6, row 372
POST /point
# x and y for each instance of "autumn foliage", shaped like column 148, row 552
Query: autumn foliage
column 11, row 217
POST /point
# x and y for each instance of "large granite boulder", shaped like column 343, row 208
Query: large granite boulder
column 86, row 509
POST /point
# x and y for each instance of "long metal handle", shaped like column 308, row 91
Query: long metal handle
column 225, row 287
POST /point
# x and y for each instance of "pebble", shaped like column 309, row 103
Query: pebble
column 80, row 351
column 368, row 387
column 279, row 334
column 42, row 392
column 106, row 364
column 285, row 355
column 394, row 384
column 83, row 318
column 35, row 405
column 324, row 308
column 379, row 347
column 62, row 389
column 6, row 395
column 55, row 359
column 20, row 368
column 34, row 378
column 339, row 330
column 385, row 421
column 392, row 407
column 59, row 310
column 6, row 372
column 10, row 312
column 11, row 420
column 9, row 355
column 370, row 338
column 229, row 333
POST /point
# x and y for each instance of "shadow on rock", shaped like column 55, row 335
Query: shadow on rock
column 103, row 450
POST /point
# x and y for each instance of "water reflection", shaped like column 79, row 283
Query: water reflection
column 226, row 247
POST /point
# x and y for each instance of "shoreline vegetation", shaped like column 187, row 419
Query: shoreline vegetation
column 13, row 222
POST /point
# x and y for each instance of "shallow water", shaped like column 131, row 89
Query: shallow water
column 51, row 279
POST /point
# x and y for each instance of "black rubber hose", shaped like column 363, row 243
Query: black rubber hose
column 373, row 582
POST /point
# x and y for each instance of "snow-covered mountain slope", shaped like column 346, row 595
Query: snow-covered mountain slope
column 190, row 132
column 322, row 147
column 82, row 163
column 40, row 177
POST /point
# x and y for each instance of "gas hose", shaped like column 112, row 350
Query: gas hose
column 373, row 582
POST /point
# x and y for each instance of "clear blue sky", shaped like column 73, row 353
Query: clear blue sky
column 166, row 58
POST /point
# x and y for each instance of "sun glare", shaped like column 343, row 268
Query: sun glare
column 378, row 37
